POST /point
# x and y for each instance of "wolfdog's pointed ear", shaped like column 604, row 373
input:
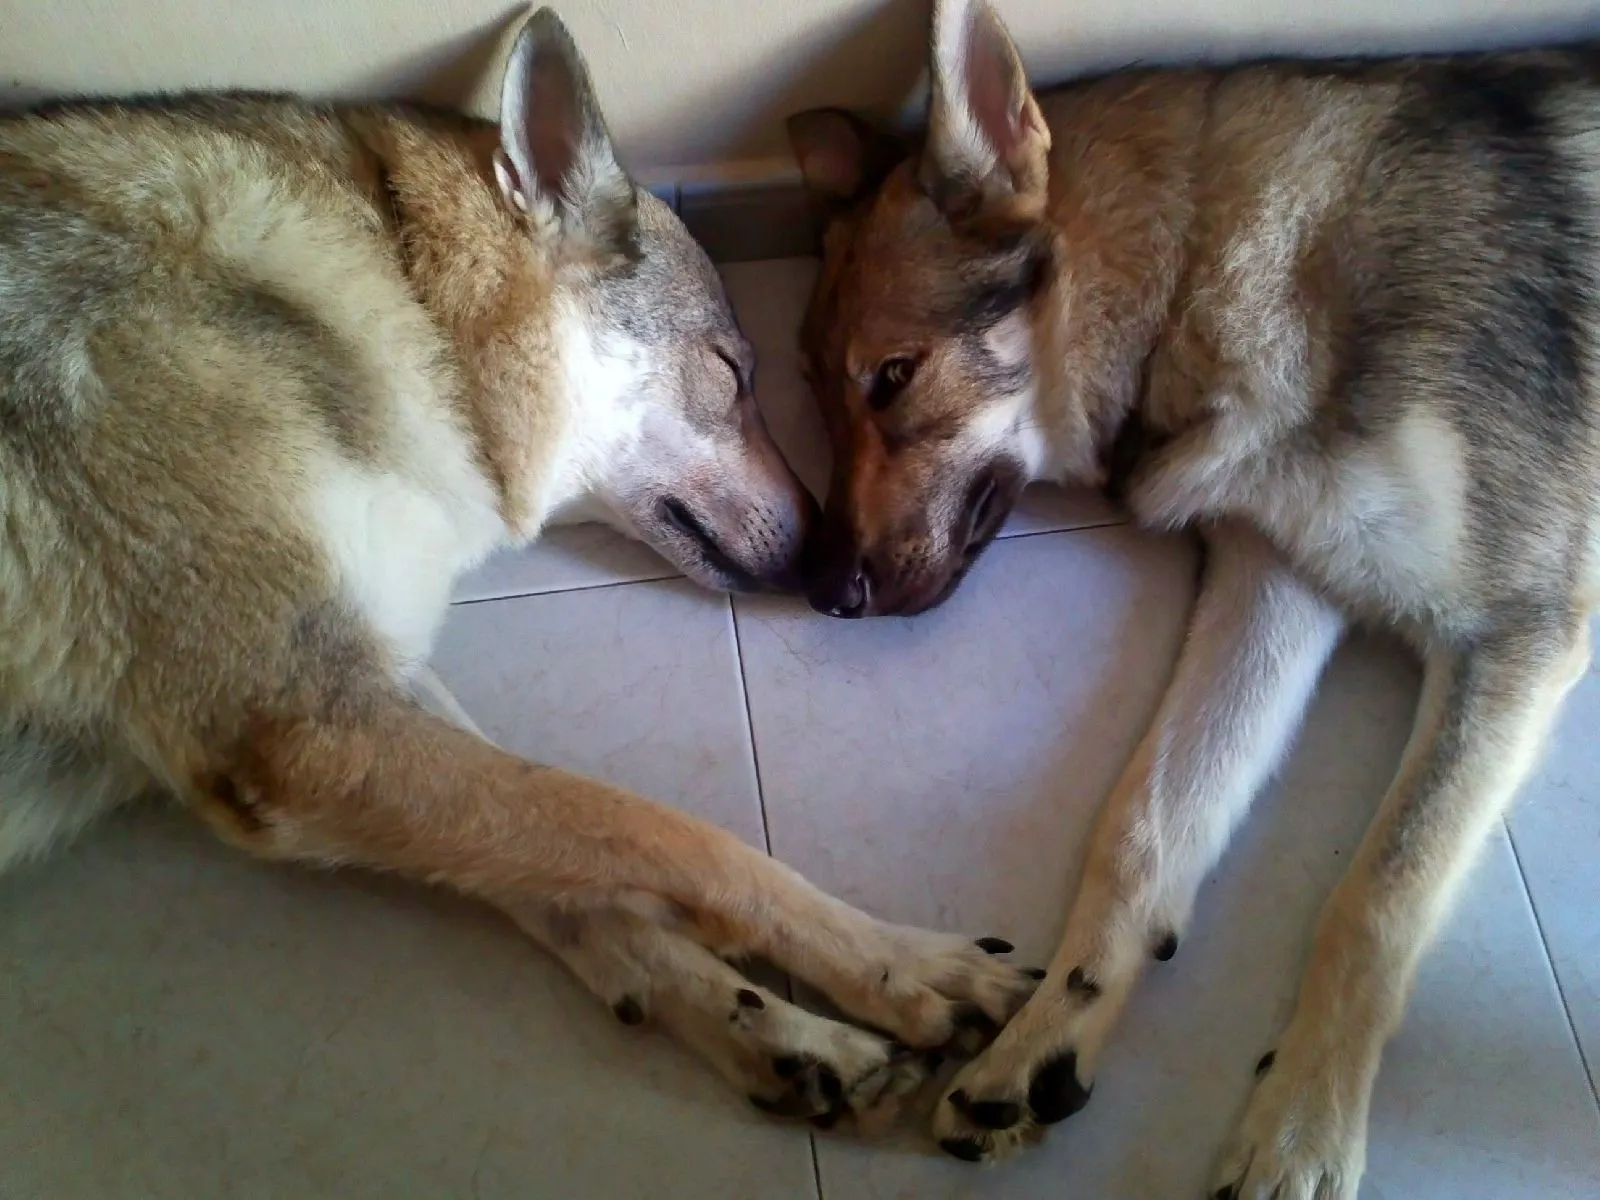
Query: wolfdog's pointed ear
column 554, row 146
column 841, row 156
column 988, row 145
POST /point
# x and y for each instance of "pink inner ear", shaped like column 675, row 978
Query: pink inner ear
column 552, row 125
column 992, row 91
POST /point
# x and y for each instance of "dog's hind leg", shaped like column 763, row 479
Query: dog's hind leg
column 1257, row 643
column 1486, row 709
column 378, row 782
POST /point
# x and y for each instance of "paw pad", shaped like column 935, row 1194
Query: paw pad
column 627, row 1011
column 1055, row 1093
column 1079, row 984
column 991, row 1114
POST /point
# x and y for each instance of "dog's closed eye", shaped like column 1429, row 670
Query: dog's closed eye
column 740, row 383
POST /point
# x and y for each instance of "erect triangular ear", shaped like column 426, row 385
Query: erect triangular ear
column 841, row 156
column 554, row 147
column 988, row 144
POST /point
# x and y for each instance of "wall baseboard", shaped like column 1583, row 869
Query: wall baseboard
column 742, row 211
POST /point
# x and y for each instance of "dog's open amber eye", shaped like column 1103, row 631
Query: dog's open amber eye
column 889, row 380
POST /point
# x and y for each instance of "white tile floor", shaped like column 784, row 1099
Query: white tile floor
column 176, row 1022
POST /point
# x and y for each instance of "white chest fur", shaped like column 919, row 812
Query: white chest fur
column 397, row 540
column 401, row 518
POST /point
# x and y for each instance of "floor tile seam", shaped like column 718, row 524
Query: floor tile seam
column 563, row 590
column 1550, row 965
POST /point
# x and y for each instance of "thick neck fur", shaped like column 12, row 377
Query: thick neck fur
column 1120, row 211
column 491, row 281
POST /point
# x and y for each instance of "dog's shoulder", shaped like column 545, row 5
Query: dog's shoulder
column 218, row 370
column 1386, row 312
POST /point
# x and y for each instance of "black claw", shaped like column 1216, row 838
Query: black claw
column 1034, row 972
column 966, row 1149
column 787, row 1066
column 994, row 945
column 770, row 1107
column 1079, row 984
column 1231, row 1192
column 828, row 1119
column 1055, row 1093
column 749, row 999
column 991, row 1114
column 627, row 1011
column 1265, row 1065
column 1166, row 948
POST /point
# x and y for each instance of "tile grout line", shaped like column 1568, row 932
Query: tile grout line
column 749, row 725
column 1090, row 527
column 1110, row 523
column 1550, row 962
column 766, row 834
column 563, row 591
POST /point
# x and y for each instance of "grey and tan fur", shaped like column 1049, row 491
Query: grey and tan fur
column 272, row 376
column 1342, row 319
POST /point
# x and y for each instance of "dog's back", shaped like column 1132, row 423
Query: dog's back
column 212, row 371
column 1387, row 275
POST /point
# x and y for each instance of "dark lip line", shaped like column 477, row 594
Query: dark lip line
column 969, row 556
column 681, row 520
column 736, row 578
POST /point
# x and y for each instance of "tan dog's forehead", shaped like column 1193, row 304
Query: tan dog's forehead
column 897, row 280
column 886, row 270
column 895, row 270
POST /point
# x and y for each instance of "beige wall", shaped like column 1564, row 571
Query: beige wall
column 688, row 82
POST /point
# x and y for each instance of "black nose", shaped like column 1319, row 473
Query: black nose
column 848, row 595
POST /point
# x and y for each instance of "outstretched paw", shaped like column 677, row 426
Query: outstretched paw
column 994, row 1108
column 1037, row 1073
column 933, row 990
column 866, row 1099
column 1302, row 1138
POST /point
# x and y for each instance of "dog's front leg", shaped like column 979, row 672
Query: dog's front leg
column 1485, row 711
column 641, row 900
column 787, row 1060
column 1257, row 643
